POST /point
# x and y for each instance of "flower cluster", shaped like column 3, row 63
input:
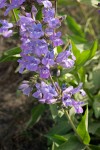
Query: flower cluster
column 51, row 94
column 37, row 52
column 4, row 28
column 67, row 97
column 38, row 42
column 10, row 6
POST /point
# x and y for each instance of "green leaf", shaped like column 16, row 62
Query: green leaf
column 57, row 139
column 74, row 26
column 16, row 13
column 59, row 49
column 96, row 107
column 75, row 50
column 86, row 55
column 94, row 147
column 93, row 49
column 39, row 13
column 89, row 2
column 61, row 127
column 82, row 128
column 54, row 110
column 81, row 73
column 96, row 77
column 77, row 39
column 66, row 2
column 72, row 144
column 36, row 113
column 10, row 55
column 94, row 127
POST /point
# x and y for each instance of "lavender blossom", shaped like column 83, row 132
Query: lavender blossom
column 55, row 38
column 14, row 4
column 45, row 93
column 64, row 60
column 44, row 72
column 46, row 3
column 2, row 3
column 48, row 60
column 25, row 88
column 68, row 100
column 41, row 48
column 4, row 28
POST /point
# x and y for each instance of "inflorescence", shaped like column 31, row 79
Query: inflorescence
column 39, row 39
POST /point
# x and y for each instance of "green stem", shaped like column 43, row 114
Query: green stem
column 55, row 7
column 66, row 45
column 13, row 13
column 53, row 83
column 74, row 128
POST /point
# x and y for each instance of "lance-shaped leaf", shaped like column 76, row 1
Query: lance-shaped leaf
column 82, row 128
column 72, row 144
column 11, row 55
column 36, row 113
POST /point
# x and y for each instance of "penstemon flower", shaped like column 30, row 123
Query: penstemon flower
column 4, row 28
column 38, row 42
column 2, row 3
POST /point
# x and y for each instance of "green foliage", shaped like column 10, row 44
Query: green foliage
column 74, row 27
column 54, row 111
column 82, row 128
column 11, row 55
column 36, row 113
column 96, row 107
column 72, row 144
column 61, row 127
column 83, row 57
column 89, row 2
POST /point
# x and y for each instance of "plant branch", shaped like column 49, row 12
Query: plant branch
column 14, row 13
column 66, row 45
column 55, row 7
column 53, row 83
column 74, row 128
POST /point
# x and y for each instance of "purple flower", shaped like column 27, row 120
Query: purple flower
column 49, row 31
column 54, row 23
column 37, row 31
column 46, row 3
column 28, row 62
column 26, row 26
column 25, row 88
column 34, row 11
column 45, row 93
column 32, row 63
column 64, row 60
column 44, row 72
column 63, row 56
column 27, row 46
column 55, row 38
column 77, row 107
column 69, row 63
column 48, row 13
column 2, row 3
column 14, row 4
column 41, row 47
column 4, row 28
column 77, row 89
column 48, row 60
column 67, row 98
column 30, row 29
